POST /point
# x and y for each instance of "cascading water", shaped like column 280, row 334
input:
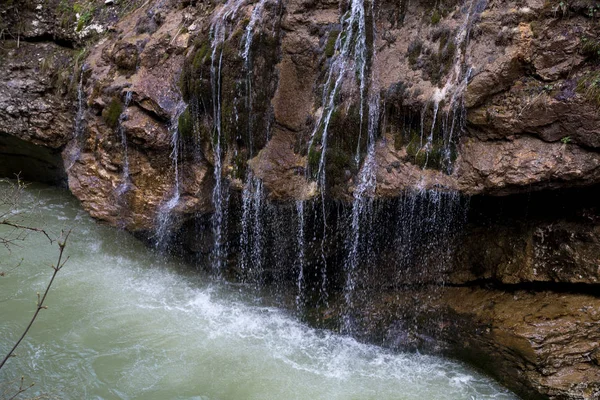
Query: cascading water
column 163, row 220
column 79, row 122
column 349, row 62
column 124, row 186
column 219, row 32
column 252, row 237
column 362, row 207
column 452, row 94
column 301, row 254
column 350, row 57
column 246, row 47
column 123, row 323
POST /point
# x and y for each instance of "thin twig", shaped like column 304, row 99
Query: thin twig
column 40, row 306
column 27, row 228
column 21, row 389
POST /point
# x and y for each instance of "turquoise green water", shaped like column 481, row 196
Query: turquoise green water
column 123, row 323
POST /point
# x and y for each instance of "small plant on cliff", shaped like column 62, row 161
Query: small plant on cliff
column 566, row 140
column 186, row 124
column 589, row 86
column 590, row 48
column 436, row 17
column 330, row 45
column 112, row 113
column 85, row 12
column 562, row 7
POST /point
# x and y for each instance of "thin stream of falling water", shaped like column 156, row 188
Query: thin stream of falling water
column 220, row 197
column 301, row 254
column 350, row 57
column 165, row 212
column 429, row 144
column 362, row 208
column 124, row 186
column 455, row 86
column 252, row 238
column 350, row 54
column 247, row 56
column 362, row 205
column 79, row 120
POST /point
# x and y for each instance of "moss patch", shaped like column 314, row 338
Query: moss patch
column 590, row 48
column 414, row 51
column 186, row 124
column 438, row 64
column 330, row 45
column 112, row 112
column 589, row 86
column 436, row 17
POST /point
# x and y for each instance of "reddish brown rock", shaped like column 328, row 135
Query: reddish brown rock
column 503, row 167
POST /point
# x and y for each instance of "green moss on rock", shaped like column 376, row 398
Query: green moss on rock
column 436, row 17
column 186, row 124
column 112, row 112
column 330, row 45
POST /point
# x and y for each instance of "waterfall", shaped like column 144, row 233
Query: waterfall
column 362, row 204
column 220, row 197
column 452, row 93
column 124, row 186
column 252, row 237
column 75, row 153
column 301, row 254
column 164, row 216
column 247, row 56
column 350, row 56
column 427, row 223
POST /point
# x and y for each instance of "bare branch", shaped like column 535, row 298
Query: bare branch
column 26, row 228
column 40, row 306
column 22, row 388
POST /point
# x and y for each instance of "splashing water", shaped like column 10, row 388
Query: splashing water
column 123, row 323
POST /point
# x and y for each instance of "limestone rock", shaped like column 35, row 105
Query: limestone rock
column 502, row 167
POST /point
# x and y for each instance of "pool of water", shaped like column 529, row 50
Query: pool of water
column 125, row 323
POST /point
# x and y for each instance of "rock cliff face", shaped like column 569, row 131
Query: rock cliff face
column 174, row 116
